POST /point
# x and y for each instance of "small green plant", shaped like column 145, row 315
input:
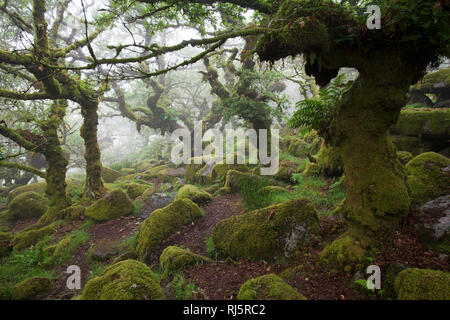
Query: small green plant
column 211, row 249
column 129, row 244
column 138, row 204
column 183, row 289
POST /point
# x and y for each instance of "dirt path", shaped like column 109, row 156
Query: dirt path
column 194, row 235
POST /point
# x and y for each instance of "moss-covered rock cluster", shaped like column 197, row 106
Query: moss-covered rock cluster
column 113, row 205
column 162, row 223
column 194, row 193
column 269, row 233
column 428, row 177
column 422, row 284
column 268, row 287
column 177, row 259
column 124, row 280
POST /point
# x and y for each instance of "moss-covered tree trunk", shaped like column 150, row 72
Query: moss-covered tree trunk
column 377, row 194
column 94, row 187
column 57, row 163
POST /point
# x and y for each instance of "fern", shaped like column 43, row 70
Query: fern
column 316, row 113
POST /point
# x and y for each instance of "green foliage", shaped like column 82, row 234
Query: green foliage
column 183, row 289
column 316, row 113
column 211, row 249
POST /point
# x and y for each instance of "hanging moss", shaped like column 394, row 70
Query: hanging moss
column 422, row 284
column 124, row 280
column 271, row 232
column 268, row 287
column 162, row 223
column 113, row 205
column 428, row 177
column 194, row 193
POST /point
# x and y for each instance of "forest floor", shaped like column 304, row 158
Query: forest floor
column 223, row 278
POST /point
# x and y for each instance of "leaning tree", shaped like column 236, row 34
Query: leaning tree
column 333, row 34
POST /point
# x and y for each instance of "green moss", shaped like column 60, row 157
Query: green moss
column 344, row 252
column 27, row 238
column 124, row 280
column 113, row 205
column 5, row 243
column 195, row 194
column 134, row 190
column 427, row 178
column 389, row 280
column 286, row 169
column 31, row 288
column 312, row 170
column 433, row 78
column 159, row 172
column 220, row 170
column 291, row 273
column 268, row 287
column 164, row 222
column 177, row 259
column 427, row 123
column 73, row 213
column 329, row 161
column 27, row 205
column 268, row 233
column 422, row 284
column 404, row 157
column 35, row 187
column 127, row 171
column 297, row 147
column 110, row 175
column 235, row 180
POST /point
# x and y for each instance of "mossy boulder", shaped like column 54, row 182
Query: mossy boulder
column 220, row 170
column 164, row 222
column 32, row 288
column 29, row 237
column 124, row 280
column 272, row 191
column 134, row 190
column 433, row 124
column 127, row 171
column 428, row 177
column 34, row 187
column 110, row 175
column 297, row 147
column 113, row 205
column 269, row 233
column 422, row 284
column 236, row 180
column 194, row 193
column 404, row 157
column 268, row 287
column 27, row 205
column 159, row 172
column 329, row 161
column 73, row 213
column 5, row 243
column 175, row 259
column 343, row 252
column 286, row 169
